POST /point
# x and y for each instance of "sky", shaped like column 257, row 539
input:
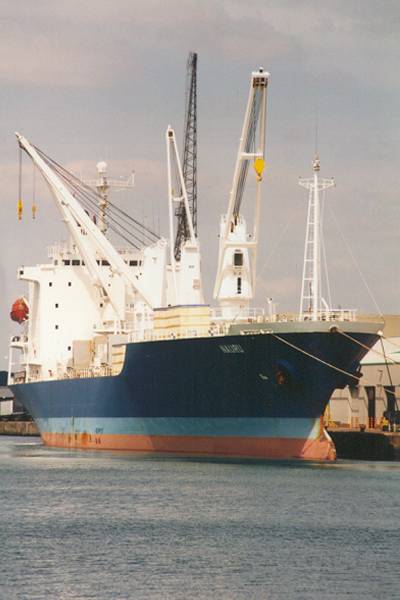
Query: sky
column 102, row 80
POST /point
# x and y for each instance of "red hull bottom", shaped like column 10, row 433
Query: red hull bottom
column 321, row 448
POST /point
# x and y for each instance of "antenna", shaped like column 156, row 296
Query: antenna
column 311, row 300
column 102, row 185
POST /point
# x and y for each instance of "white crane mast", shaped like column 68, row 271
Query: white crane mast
column 172, row 154
column 88, row 238
column 236, row 272
column 186, row 274
column 312, row 302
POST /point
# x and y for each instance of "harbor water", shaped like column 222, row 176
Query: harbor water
column 81, row 524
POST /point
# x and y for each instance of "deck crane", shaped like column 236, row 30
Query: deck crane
column 189, row 166
column 185, row 274
column 92, row 245
column 236, row 272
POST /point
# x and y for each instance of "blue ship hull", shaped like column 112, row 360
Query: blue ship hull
column 237, row 395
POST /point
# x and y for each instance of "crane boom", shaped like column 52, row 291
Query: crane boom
column 189, row 166
column 186, row 273
column 86, row 235
column 236, row 282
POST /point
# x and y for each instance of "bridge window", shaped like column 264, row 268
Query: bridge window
column 238, row 259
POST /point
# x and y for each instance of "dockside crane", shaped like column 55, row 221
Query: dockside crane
column 236, row 272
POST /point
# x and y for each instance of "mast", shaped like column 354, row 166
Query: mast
column 102, row 184
column 189, row 166
column 311, row 300
column 186, row 272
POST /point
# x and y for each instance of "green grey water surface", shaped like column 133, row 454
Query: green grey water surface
column 80, row 525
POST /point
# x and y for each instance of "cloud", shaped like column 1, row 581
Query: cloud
column 70, row 44
column 42, row 56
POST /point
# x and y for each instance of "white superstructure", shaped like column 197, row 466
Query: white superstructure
column 88, row 289
column 65, row 306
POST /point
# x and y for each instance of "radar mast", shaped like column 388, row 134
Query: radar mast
column 103, row 185
column 312, row 303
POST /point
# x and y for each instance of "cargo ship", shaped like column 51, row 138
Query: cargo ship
column 119, row 351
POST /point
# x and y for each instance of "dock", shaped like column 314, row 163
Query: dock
column 23, row 428
column 356, row 444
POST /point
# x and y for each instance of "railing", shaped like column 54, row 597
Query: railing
column 71, row 373
column 153, row 335
column 219, row 326
column 18, row 377
column 259, row 315
column 57, row 250
column 115, row 327
column 337, row 314
column 18, row 341
column 220, row 323
column 233, row 313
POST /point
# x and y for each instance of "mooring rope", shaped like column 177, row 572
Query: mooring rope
column 320, row 360
column 330, row 365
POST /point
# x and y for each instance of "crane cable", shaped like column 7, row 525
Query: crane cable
column 87, row 193
column 250, row 140
column 346, row 335
column 354, row 260
column 19, row 201
column 89, row 204
column 383, row 353
column 389, row 374
column 84, row 190
column 34, row 207
column 320, row 360
column 89, row 200
column 392, row 342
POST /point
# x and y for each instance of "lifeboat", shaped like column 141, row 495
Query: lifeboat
column 20, row 310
